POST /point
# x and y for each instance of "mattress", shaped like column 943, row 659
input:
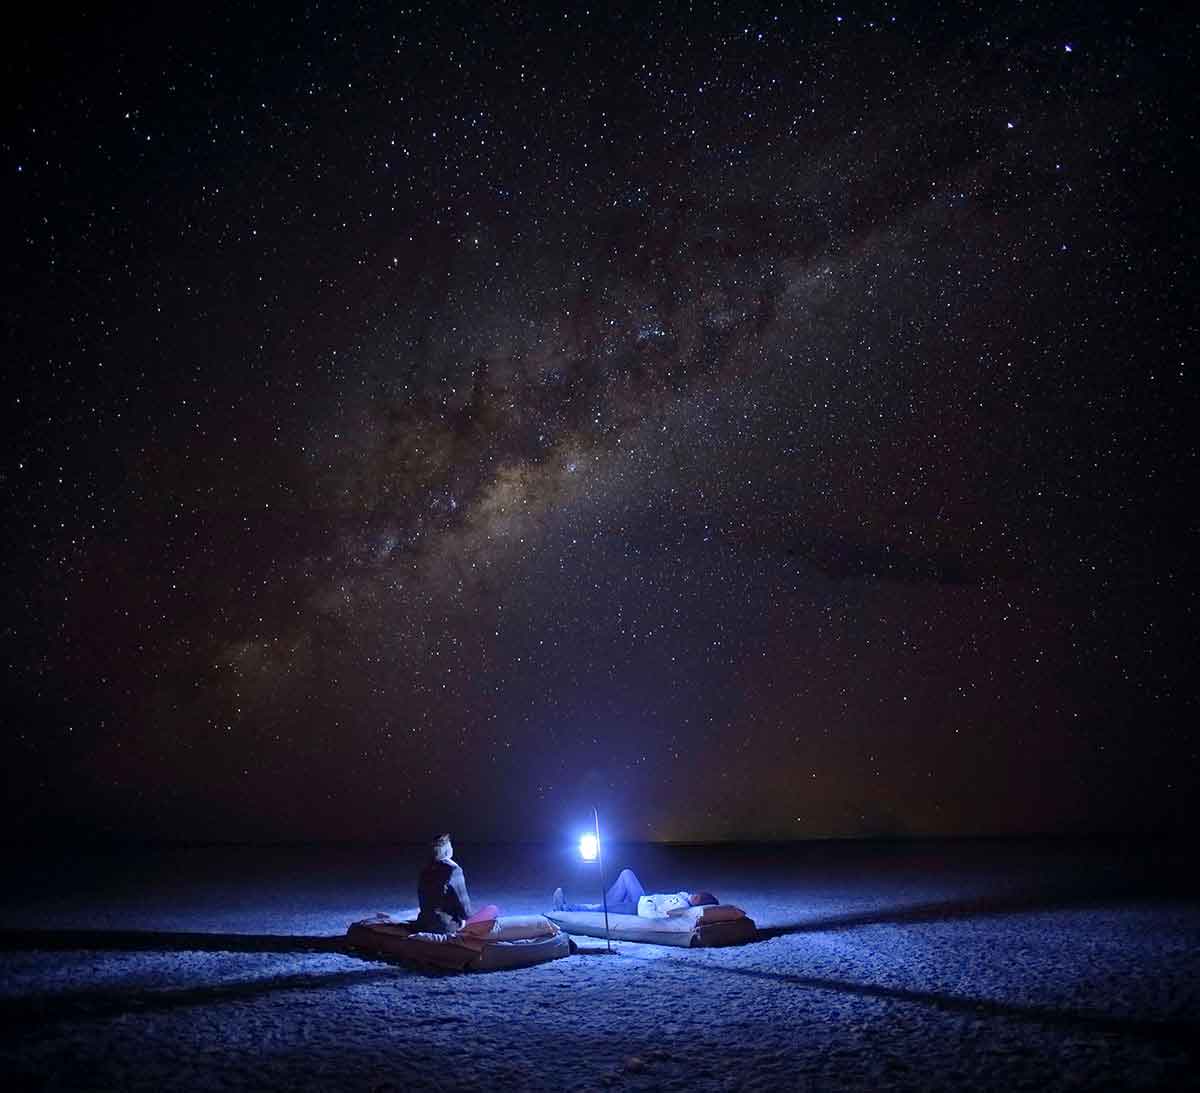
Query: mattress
column 514, row 942
column 698, row 926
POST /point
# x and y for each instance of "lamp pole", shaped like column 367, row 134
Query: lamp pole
column 603, row 886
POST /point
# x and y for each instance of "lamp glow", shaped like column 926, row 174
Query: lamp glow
column 589, row 847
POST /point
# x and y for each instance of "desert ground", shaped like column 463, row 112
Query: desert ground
column 923, row 965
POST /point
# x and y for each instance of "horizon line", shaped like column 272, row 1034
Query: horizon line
column 119, row 841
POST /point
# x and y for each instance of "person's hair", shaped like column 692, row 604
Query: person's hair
column 440, row 848
column 702, row 899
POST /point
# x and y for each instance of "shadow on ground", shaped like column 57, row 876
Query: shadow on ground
column 1029, row 902
column 1185, row 1034
column 158, row 941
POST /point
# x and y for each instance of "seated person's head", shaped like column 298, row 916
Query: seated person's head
column 702, row 899
column 440, row 848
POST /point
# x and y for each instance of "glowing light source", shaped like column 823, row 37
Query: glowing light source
column 589, row 847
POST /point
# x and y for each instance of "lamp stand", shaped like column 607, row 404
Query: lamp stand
column 603, row 885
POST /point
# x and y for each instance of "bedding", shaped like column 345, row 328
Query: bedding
column 713, row 925
column 512, row 941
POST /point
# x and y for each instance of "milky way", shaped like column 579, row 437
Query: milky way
column 762, row 427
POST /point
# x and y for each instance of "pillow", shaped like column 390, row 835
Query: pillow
column 522, row 927
column 482, row 929
column 721, row 912
column 482, row 923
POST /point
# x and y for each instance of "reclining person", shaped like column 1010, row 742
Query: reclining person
column 626, row 896
column 442, row 891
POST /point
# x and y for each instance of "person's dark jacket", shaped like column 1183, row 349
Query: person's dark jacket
column 442, row 893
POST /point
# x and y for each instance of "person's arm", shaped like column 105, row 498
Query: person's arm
column 458, row 888
column 672, row 903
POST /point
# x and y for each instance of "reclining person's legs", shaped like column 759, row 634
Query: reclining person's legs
column 625, row 889
column 621, row 899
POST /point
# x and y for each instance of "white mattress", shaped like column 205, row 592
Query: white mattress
column 697, row 926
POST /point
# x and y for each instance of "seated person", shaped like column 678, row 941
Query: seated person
column 626, row 896
column 442, row 891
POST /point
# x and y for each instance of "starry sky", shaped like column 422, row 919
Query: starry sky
column 762, row 422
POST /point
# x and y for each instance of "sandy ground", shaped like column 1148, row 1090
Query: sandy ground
column 908, row 966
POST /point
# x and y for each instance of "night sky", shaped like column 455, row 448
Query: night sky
column 759, row 422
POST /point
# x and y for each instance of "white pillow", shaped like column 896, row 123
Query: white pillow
column 522, row 928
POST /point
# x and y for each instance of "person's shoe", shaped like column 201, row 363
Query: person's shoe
column 556, row 900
